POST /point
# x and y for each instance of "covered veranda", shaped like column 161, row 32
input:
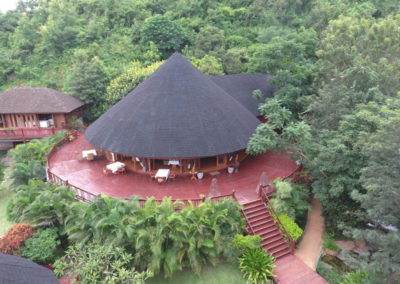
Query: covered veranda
column 88, row 176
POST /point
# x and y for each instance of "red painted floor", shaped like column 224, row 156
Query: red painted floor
column 291, row 270
column 89, row 176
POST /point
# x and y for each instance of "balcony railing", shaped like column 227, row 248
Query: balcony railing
column 22, row 134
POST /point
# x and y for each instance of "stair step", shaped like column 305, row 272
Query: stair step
column 269, row 240
column 258, row 215
column 267, row 226
column 265, row 231
column 257, row 219
column 251, row 202
column 260, row 221
column 277, row 249
column 257, row 209
column 275, row 244
column 252, row 206
column 282, row 253
column 264, row 224
column 270, row 234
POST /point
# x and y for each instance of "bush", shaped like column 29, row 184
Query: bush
column 355, row 277
column 246, row 242
column 289, row 199
column 291, row 227
column 15, row 238
column 40, row 248
column 257, row 266
column 96, row 263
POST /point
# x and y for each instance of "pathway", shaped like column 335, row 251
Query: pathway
column 300, row 268
column 309, row 249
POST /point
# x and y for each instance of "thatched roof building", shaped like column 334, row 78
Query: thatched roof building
column 176, row 113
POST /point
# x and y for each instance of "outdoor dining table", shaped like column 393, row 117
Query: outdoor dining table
column 162, row 174
column 86, row 153
column 114, row 167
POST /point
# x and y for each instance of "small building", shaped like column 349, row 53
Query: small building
column 181, row 119
column 27, row 113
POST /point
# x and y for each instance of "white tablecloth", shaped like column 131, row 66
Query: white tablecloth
column 162, row 173
column 115, row 166
column 173, row 162
column 85, row 153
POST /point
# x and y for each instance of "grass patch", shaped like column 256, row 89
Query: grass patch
column 4, row 223
column 329, row 243
column 222, row 273
column 331, row 275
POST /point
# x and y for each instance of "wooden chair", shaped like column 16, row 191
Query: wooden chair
column 121, row 170
column 107, row 172
column 79, row 156
column 172, row 176
column 194, row 176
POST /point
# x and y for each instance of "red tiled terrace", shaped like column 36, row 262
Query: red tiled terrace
column 88, row 175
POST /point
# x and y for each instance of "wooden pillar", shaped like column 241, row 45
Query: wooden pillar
column 36, row 120
column 149, row 164
column 13, row 121
column 181, row 165
column 3, row 119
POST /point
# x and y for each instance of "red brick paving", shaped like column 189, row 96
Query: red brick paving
column 291, row 270
column 89, row 176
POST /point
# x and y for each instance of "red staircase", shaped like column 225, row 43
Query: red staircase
column 260, row 222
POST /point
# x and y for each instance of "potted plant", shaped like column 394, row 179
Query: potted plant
column 200, row 175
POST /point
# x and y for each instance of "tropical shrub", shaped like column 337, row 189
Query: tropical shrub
column 290, row 199
column 30, row 160
column 355, row 277
column 15, row 238
column 257, row 266
column 160, row 237
column 40, row 248
column 96, row 263
column 40, row 202
column 246, row 242
column 291, row 227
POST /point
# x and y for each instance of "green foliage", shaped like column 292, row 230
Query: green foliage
column 289, row 199
column 39, row 202
column 40, row 248
column 30, row 160
column 164, row 32
column 87, row 81
column 331, row 275
column 120, row 86
column 209, row 65
column 246, row 242
column 329, row 243
column 257, row 266
column 96, row 263
column 291, row 227
column 160, row 237
column 355, row 277
column 15, row 238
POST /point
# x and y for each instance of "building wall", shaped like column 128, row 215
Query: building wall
column 58, row 119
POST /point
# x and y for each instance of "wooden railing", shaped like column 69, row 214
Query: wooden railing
column 267, row 202
column 27, row 133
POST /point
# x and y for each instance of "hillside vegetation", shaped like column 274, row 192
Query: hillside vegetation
column 335, row 64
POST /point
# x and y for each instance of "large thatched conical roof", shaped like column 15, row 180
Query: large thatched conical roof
column 177, row 112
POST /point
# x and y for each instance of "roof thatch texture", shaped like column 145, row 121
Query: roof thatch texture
column 241, row 87
column 37, row 100
column 19, row 270
column 177, row 112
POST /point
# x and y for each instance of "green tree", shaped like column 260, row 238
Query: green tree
column 164, row 32
column 88, row 81
column 210, row 40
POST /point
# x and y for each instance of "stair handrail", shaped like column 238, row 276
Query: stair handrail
column 265, row 198
column 247, row 222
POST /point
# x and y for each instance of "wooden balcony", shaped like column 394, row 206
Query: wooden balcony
column 25, row 134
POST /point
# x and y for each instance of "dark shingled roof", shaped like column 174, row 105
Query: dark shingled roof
column 177, row 112
column 37, row 100
column 241, row 87
column 19, row 270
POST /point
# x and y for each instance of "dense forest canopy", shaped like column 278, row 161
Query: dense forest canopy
column 335, row 63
